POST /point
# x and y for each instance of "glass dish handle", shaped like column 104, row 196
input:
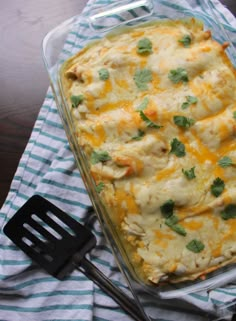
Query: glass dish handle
column 106, row 18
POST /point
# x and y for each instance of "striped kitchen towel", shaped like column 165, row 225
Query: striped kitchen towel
column 47, row 168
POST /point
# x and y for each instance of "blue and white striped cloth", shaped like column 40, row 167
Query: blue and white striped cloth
column 47, row 168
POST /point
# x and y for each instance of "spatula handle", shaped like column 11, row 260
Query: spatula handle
column 124, row 301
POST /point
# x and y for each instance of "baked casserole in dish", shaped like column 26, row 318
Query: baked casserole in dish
column 154, row 111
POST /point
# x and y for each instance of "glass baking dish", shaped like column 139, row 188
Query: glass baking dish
column 65, row 41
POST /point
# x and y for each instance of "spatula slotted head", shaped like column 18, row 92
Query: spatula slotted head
column 49, row 236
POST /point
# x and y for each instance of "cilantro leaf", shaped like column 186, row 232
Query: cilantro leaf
column 99, row 156
column 144, row 46
column 229, row 212
column 195, row 246
column 139, row 135
column 143, row 104
column 185, row 105
column 177, row 148
column 217, row 187
column 178, row 75
column 100, row 187
column 186, row 41
column 148, row 121
column 225, row 161
column 173, row 219
column 234, row 114
column 142, row 77
column 172, row 223
column 190, row 100
column 183, row 121
column 103, row 74
column 76, row 100
column 167, row 208
column 190, row 174
column 178, row 229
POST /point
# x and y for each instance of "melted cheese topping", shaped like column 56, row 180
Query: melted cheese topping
column 141, row 173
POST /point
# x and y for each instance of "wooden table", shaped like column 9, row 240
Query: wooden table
column 23, row 79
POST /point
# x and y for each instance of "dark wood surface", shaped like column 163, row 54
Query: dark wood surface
column 23, row 79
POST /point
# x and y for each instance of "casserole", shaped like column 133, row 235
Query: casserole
column 153, row 110
column 56, row 68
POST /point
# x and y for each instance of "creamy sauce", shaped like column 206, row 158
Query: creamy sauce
column 130, row 116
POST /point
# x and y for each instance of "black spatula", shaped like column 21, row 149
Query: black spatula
column 58, row 243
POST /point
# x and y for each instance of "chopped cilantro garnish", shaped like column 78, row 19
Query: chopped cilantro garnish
column 167, row 208
column 172, row 223
column 217, row 187
column 76, row 100
column 225, row 161
column 100, row 187
column 144, row 46
column 195, row 246
column 229, row 212
column 185, row 105
column 190, row 174
column 234, row 114
column 178, row 229
column 99, row 156
column 183, row 121
column 186, row 40
column 142, row 77
column 177, row 148
column 103, row 74
column 139, row 135
column 178, row 75
column 173, row 219
column 148, row 121
column 190, row 100
column 143, row 104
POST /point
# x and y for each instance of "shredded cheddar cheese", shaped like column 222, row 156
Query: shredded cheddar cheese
column 159, row 102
